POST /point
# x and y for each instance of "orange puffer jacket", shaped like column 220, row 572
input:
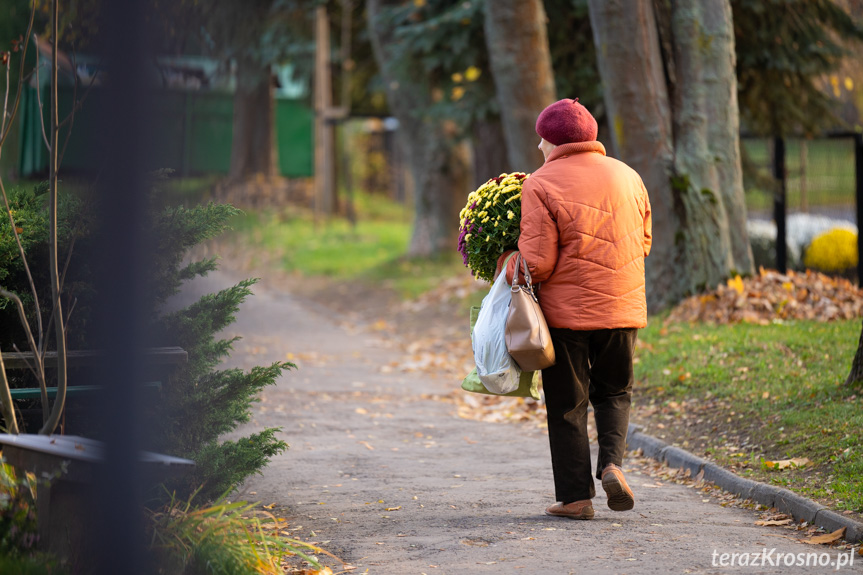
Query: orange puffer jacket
column 585, row 231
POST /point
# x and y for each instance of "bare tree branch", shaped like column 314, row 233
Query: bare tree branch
column 60, row 401
column 40, row 366
column 69, row 314
column 80, row 103
column 44, row 349
column 4, row 134
column 26, row 361
column 6, row 401
column 39, row 101
column 6, row 98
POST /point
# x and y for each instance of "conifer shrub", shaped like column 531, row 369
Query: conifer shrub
column 200, row 402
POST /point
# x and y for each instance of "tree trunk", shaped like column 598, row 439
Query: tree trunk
column 674, row 120
column 723, row 121
column 253, row 145
column 489, row 150
column 438, row 166
column 521, row 64
column 855, row 378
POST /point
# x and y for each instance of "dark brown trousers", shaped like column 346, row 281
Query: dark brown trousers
column 593, row 366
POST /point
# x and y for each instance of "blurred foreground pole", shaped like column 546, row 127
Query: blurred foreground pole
column 779, row 211
column 858, row 195
column 120, row 276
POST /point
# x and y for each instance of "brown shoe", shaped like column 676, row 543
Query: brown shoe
column 620, row 497
column 576, row 510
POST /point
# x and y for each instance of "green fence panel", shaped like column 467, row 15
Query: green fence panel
column 295, row 124
column 167, row 134
column 190, row 133
column 210, row 121
column 32, row 155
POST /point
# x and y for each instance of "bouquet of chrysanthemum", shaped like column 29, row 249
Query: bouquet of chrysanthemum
column 489, row 223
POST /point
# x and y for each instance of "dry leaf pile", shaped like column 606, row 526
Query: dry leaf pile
column 497, row 409
column 770, row 295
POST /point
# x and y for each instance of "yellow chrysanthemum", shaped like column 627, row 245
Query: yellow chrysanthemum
column 832, row 251
column 489, row 207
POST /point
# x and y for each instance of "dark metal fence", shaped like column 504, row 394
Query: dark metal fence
column 821, row 176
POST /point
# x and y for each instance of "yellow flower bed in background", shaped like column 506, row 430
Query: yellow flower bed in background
column 832, row 251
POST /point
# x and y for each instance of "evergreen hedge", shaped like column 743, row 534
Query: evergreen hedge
column 202, row 402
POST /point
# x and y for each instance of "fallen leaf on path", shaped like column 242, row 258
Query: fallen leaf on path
column 827, row 537
column 774, row 522
column 393, row 508
column 270, row 506
column 367, row 444
column 786, row 463
column 361, row 410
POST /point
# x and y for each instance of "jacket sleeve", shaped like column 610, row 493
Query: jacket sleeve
column 648, row 222
column 538, row 239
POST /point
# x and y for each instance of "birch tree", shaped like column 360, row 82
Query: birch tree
column 668, row 73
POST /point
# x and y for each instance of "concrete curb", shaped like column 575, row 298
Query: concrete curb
column 800, row 508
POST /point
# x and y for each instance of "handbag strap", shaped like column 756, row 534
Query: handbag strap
column 519, row 259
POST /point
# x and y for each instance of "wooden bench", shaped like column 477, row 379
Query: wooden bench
column 64, row 503
column 161, row 360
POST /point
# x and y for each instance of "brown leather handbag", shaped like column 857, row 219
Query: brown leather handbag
column 528, row 339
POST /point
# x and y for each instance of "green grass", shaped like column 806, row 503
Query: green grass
column 373, row 251
column 744, row 394
column 829, row 174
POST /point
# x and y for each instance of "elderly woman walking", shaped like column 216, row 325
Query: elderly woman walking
column 585, row 231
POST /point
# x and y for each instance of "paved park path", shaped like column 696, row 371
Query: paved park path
column 383, row 474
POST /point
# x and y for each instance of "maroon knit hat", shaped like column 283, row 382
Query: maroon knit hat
column 566, row 121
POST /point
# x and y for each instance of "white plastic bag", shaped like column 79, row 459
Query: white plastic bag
column 497, row 371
